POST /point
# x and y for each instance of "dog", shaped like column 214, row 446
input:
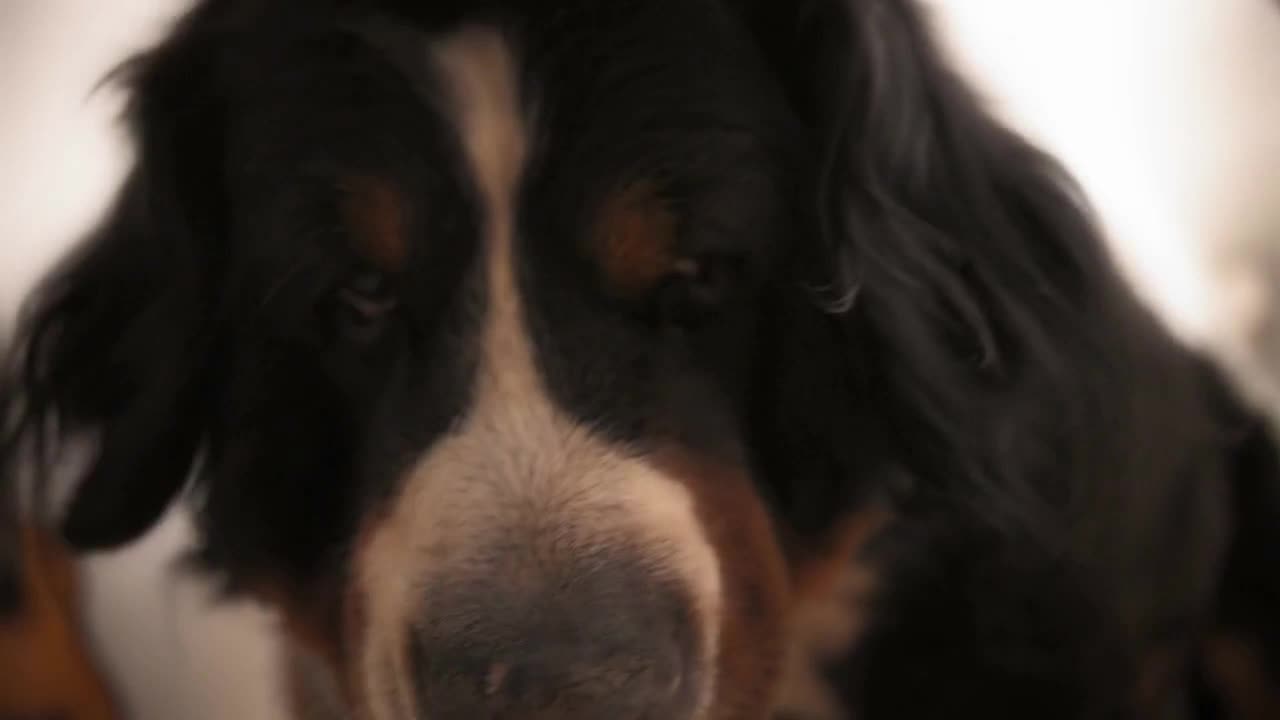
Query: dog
column 669, row 359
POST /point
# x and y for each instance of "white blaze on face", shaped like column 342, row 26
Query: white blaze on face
column 515, row 466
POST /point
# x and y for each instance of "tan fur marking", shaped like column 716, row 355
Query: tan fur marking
column 754, row 581
column 375, row 210
column 635, row 233
column 515, row 463
column 828, row 615
column 46, row 666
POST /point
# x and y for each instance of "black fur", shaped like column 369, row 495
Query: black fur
column 924, row 312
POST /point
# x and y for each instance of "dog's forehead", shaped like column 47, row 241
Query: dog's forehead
column 617, row 97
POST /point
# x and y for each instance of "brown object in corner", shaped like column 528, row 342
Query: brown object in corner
column 46, row 669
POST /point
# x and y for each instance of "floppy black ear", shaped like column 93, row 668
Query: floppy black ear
column 948, row 254
column 953, row 334
column 114, row 344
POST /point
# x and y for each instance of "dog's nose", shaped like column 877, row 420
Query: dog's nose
column 608, row 648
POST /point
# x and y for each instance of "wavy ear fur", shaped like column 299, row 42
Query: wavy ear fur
column 966, row 291
column 113, row 346
column 962, row 250
column 974, row 356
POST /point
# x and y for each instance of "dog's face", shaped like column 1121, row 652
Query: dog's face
column 513, row 345
column 512, row 356
column 474, row 337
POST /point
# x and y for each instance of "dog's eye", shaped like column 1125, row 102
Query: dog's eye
column 363, row 304
column 698, row 288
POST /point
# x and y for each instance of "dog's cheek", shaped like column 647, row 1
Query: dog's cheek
column 754, row 581
column 833, row 587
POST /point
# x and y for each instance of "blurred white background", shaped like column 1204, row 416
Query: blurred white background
column 1168, row 111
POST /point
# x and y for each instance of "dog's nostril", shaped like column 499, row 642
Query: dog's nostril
column 555, row 686
column 622, row 656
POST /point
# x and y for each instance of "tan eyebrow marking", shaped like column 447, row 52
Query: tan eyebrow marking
column 375, row 210
column 634, row 237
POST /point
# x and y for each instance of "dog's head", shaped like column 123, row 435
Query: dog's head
column 534, row 358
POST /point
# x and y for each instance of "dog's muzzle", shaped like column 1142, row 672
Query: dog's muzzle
column 607, row 640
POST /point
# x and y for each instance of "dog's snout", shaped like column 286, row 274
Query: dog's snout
column 611, row 646
column 583, row 680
